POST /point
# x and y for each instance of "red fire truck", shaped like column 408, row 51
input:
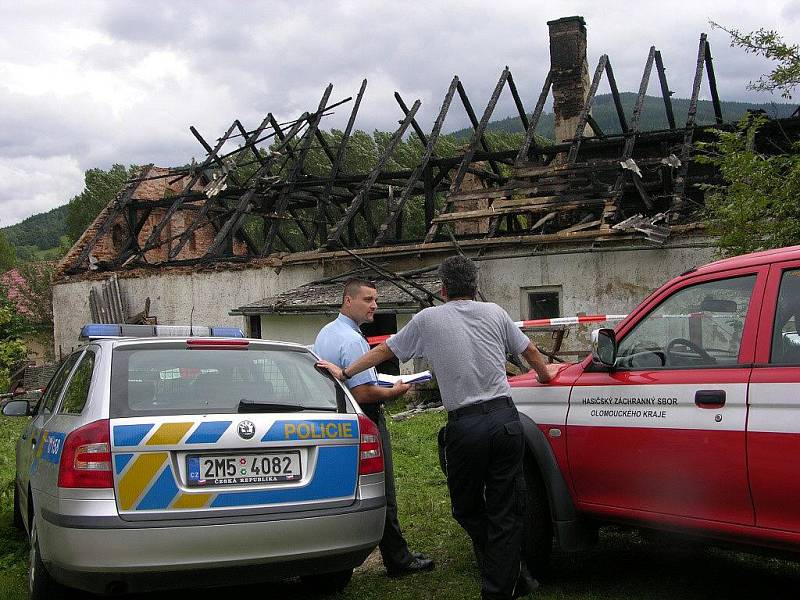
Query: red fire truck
column 685, row 417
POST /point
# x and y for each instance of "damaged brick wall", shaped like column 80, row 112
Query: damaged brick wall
column 155, row 185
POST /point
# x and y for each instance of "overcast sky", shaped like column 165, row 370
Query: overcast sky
column 88, row 84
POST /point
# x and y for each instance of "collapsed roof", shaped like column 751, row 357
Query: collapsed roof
column 325, row 297
column 257, row 195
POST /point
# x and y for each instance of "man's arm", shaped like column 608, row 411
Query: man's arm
column 544, row 372
column 374, row 394
column 373, row 358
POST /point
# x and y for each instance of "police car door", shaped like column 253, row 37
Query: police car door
column 773, row 430
column 36, row 436
column 664, row 431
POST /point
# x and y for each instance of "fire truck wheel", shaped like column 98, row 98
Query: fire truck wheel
column 538, row 543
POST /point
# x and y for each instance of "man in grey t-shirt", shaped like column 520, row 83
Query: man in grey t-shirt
column 466, row 343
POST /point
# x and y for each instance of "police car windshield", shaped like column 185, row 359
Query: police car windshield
column 176, row 380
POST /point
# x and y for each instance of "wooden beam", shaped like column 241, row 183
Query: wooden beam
column 524, row 208
column 688, row 132
column 297, row 167
column 355, row 205
column 477, row 137
column 587, row 106
column 665, row 91
column 530, row 133
column 153, row 240
column 612, row 83
column 394, row 212
column 712, row 85
column 321, row 229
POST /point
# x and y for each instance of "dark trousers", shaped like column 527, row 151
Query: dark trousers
column 484, row 449
column 393, row 546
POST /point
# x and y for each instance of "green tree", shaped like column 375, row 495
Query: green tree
column 12, row 328
column 769, row 44
column 8, row 255
column 37, row 292
column 100, row 189
column 758, row 205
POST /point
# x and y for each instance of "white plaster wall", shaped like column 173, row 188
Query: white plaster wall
column 601, row 282
column 173, row 295
column 591, row 283
column 302, row 329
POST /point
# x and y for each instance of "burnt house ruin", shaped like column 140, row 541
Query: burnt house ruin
column 596, row 219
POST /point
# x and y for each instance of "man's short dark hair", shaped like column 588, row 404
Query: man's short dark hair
column 459, row 277
column 352, row 285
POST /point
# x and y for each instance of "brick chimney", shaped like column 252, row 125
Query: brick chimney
column 570, row 74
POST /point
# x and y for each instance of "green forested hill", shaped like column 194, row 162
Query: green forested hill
column 38, row 232
column 653, row 114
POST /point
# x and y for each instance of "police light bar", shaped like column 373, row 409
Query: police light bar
column 92, row 331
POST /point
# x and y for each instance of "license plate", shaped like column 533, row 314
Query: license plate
column 241, row 469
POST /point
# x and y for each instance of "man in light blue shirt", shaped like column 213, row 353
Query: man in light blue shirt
column 342, row 343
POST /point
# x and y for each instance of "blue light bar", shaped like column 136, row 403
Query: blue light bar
column 107, row 330
column 100, row 330
column 231, row 332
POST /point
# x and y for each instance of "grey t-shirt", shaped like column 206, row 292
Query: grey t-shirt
column 466, row 343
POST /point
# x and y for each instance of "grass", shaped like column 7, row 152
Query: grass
column 622, row 566
column 13, row 546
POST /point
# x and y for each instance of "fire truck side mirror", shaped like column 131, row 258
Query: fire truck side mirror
column 604, row 348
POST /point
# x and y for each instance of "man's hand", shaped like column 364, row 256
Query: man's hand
column 399, row 388
column 544, row 371
column 552, row 371
column 331, row 368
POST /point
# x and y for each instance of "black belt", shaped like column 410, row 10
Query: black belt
column 480, row 408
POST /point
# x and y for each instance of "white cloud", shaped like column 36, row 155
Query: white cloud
column 30, row 185
column 91, row 83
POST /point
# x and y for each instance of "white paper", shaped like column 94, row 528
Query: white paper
column 389, row 380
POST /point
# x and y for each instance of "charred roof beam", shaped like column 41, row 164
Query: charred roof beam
column 477, row 138
column 153, row 240
column 665, row 91
column 321, row 230
column 244, row 201
column 282, row 201
column 358, row 200
column 394, row 212
column 530, row 134
column 688, row 132
column 201, row 215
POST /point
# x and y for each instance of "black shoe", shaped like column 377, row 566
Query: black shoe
column 526, row 584
column 418, row 564
column 419, row 555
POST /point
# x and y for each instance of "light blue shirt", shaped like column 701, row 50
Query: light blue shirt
column 342, row 343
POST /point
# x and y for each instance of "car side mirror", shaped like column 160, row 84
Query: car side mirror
column 604, row 348
column 17, row 408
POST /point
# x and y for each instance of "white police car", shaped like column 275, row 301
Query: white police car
column 162, row 457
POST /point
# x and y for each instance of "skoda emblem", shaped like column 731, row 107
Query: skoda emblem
column 246, row 430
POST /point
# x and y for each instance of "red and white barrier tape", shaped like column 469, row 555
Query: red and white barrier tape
column 569, row 320
column 377, row 339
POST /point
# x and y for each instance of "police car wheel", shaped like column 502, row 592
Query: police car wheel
column 538, row 543
column 328, row 583
column 18, row 522
column 41, row 586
